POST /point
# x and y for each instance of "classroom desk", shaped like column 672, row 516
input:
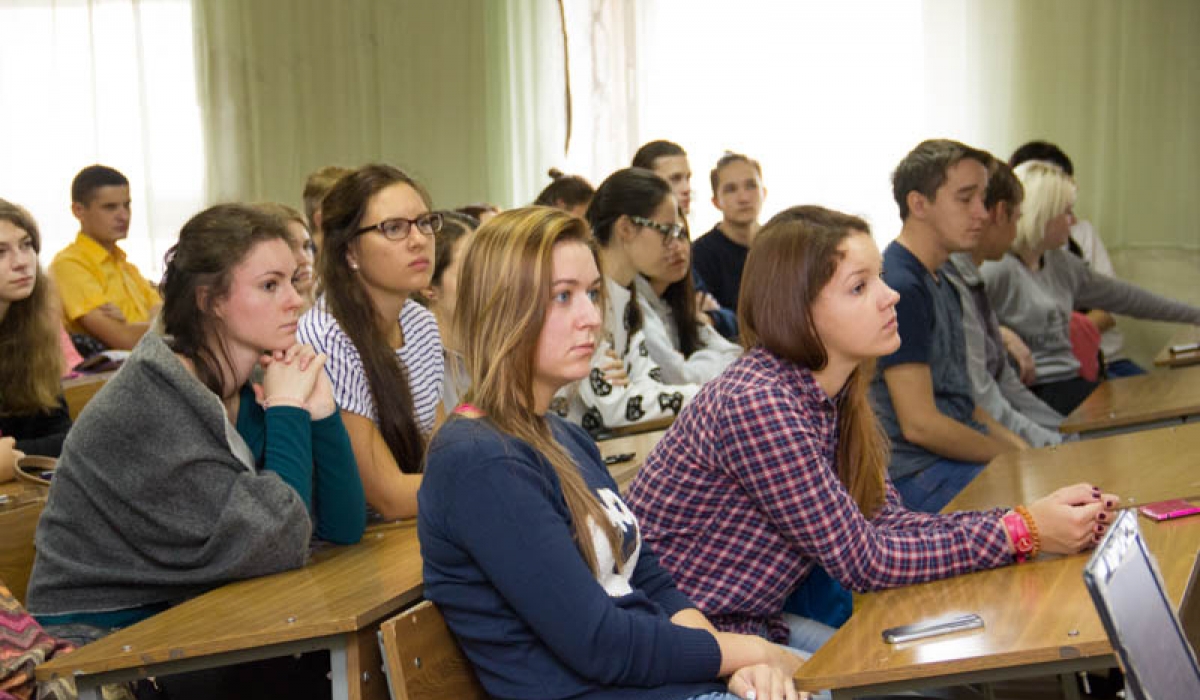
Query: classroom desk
column 650, row 426
column 21, row 505
column 639, row 444
column 1038, row 617
column 1185, row 335
column 1142, row 467
column 1039, row 620
column 334, row 603
column 1136, row 403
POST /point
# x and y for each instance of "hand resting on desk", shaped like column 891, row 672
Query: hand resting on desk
column 1073, row 518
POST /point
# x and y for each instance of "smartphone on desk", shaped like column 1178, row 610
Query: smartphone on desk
column 1169, row 510
column 932, row 628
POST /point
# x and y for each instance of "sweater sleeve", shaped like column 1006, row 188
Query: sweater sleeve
column 703, row 364
column 499, row 508
column 1099, row 291
column 339, row 504
column 44, row 434
column 780, row 465
column 289, row 449
column 645, row 397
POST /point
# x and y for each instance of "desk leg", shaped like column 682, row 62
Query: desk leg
column 1069, row 685
column 338, row 671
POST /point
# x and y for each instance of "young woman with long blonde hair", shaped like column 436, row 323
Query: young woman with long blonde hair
column 530, row 553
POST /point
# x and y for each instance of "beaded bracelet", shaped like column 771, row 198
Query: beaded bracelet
column 1033, row 529
column 1019, row 534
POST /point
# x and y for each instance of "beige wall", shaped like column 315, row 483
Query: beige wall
column 467, row 95
column 288, row 86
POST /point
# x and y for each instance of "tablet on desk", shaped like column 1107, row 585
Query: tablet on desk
column 1123, row 580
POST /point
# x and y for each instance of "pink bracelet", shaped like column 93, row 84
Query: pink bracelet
column 1018, row 532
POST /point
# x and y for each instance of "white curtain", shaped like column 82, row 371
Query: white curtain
column 830, row 96
column 101, row 81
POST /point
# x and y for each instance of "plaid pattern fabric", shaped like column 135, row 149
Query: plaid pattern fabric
column 24, row 645
column 741, row 497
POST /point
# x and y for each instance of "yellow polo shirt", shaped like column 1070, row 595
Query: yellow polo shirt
column 88, row 277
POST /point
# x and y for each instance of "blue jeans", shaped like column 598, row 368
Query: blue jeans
column 930, row 489
column 805, row 635
column 1122, row 368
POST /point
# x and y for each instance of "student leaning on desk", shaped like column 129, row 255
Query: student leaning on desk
column 180, row 475
column 779, row 465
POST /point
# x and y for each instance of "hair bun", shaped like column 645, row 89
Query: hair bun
column 555, row 174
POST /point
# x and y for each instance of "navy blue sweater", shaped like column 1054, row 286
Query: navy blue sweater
column 501, row 565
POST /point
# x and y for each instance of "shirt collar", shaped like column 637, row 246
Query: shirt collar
column 965, row 266
column 96, row 252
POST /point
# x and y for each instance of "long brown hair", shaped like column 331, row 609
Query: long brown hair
column 499, row 319
column 31, row 361
column 793, row 257
column 348, row 302
column 211, row 244
column 680, row 297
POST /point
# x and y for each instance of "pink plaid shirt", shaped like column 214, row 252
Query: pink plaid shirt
column 741, row 498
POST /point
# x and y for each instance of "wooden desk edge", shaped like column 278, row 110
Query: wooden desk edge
column 112, row 657
column 952, row 667
column 1084, row 425
column 1166, row 358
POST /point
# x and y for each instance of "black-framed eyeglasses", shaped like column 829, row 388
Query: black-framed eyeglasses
column 670, row 232
column 397, row 228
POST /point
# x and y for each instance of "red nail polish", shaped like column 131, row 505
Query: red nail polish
column 1102, row 516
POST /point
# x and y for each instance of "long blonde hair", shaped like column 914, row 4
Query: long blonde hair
column 503, row 295
column 31, row 360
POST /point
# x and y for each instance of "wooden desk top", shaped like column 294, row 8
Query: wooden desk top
column 19, row 491
column 1127, row 401
column 1152, row 465
column 650, row 426
column 1186, row 334
column 639, row 444
column 343, row 590
column 1037, row 613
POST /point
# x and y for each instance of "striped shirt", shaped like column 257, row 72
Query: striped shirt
column 741, row 498
column 420, row 356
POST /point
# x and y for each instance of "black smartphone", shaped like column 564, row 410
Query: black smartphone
column 619, row 458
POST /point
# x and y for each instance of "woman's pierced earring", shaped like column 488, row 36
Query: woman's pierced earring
column 354, row 267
